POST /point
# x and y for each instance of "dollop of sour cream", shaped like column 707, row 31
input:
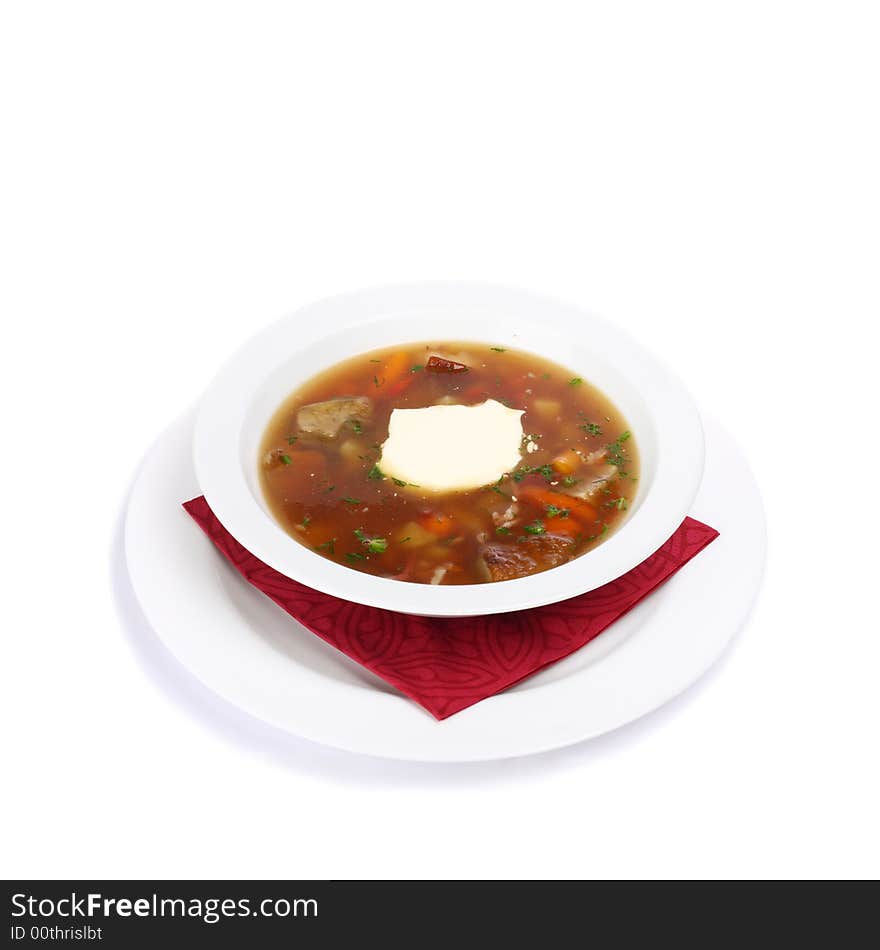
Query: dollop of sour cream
column 452, row 448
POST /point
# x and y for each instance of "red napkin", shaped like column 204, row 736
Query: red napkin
column 446, row 664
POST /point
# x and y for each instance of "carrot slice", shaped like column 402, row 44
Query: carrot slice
column 437, row 523
column 396, row 374
column 567, row 526
column 398, row 364
column 580, row 509
column 566, row 462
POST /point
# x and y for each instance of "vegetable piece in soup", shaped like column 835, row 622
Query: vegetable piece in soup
column 518, row 466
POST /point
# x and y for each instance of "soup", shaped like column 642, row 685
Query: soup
column 512, row 465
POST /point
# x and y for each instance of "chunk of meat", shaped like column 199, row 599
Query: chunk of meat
column 504, row 562
column 436, row 364
column 325, row 419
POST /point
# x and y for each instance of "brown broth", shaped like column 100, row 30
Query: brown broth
column 564, row 499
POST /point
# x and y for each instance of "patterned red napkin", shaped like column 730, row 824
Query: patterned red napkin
column 446, row 664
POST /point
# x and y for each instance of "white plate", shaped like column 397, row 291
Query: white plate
column 236, row 407
column 243, row 647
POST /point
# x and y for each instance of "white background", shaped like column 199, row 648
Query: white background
column 176, row 175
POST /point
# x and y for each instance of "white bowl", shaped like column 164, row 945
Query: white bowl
column 242, row 398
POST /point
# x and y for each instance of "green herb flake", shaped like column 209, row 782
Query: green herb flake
column 352, row 501
column 286, row 459
column 375, row 473
column 575, row 381
column 502, row 530
column 616, row 451
column 545, row 470
column 498, row 349
column 536, row 527
column 307, row 520
column 402, row 484
column 291, row 439
column 417, row 368
column 404, row 540
column 328, row 546
column 356, row 426
column 554, row 512
column 354, row 556
column 601, row 533
column 570, row 480
column 591, row 428
column 373, row 545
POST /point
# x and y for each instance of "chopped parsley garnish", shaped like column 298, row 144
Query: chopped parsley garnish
column 328, row 546
column 592, row 428
column 286, row 459
column 291, row 439
column 498, row 349
column 373, row 545
column 402, row 484
column 599, row 534
column 575, row 381
column 351, row 501
column 417, row 368
column 570, row 480
column 354, row 556
column 502, row 530
column 307, row 520
column 536, row 527
column 375, row 473
column 554, row 512
column 356, row 426
column 545, row 470
column 616, row 450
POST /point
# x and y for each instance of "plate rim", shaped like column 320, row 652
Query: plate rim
column 388, row 725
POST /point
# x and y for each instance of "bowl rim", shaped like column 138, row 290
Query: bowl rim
column 223, row 414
